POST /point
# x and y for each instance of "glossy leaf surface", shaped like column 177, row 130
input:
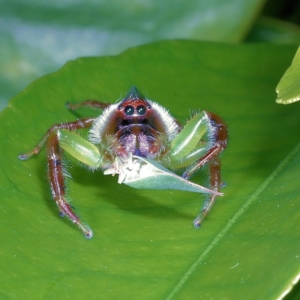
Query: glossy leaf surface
column 145, row 246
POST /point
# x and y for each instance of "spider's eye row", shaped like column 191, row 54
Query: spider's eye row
column 141, row 110
column 129, row 110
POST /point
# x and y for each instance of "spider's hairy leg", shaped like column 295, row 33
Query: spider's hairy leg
column 200, row 142
column 57, row 184
column 89, row 103
column 62, row 136
column 79, row 124
column 218, row 129
column 215, row 184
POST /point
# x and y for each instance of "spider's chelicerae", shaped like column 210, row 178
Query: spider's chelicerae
column 139, row 140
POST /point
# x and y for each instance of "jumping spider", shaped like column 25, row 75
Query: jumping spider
column 139, row 140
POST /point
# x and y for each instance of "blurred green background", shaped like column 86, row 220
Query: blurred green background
column 38, row 37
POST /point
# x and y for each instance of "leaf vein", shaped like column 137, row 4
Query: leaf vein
column 230, row 223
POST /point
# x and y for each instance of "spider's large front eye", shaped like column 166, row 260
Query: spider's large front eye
column 141, row 110
column 129, row 110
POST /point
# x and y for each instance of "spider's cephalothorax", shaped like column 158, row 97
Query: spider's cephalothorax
column 135, row 125
column 139, row 140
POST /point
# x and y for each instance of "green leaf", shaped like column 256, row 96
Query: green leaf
column 144, row 244
column 37, row 37
column 288, row 88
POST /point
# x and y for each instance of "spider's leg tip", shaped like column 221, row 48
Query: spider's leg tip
column 88, row 234
column 87, row 231
column 185, row 175
column 197, row 223
column 23, row 156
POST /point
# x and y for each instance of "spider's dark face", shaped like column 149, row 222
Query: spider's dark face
column 139, row 126
column 134, row 107
column 134, row 112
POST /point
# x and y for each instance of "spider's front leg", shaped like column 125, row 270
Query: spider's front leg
column 219, row 137
column 57, row 183
column 58, row 137
column 200, row 142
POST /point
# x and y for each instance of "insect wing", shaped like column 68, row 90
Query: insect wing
column 152, row 175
